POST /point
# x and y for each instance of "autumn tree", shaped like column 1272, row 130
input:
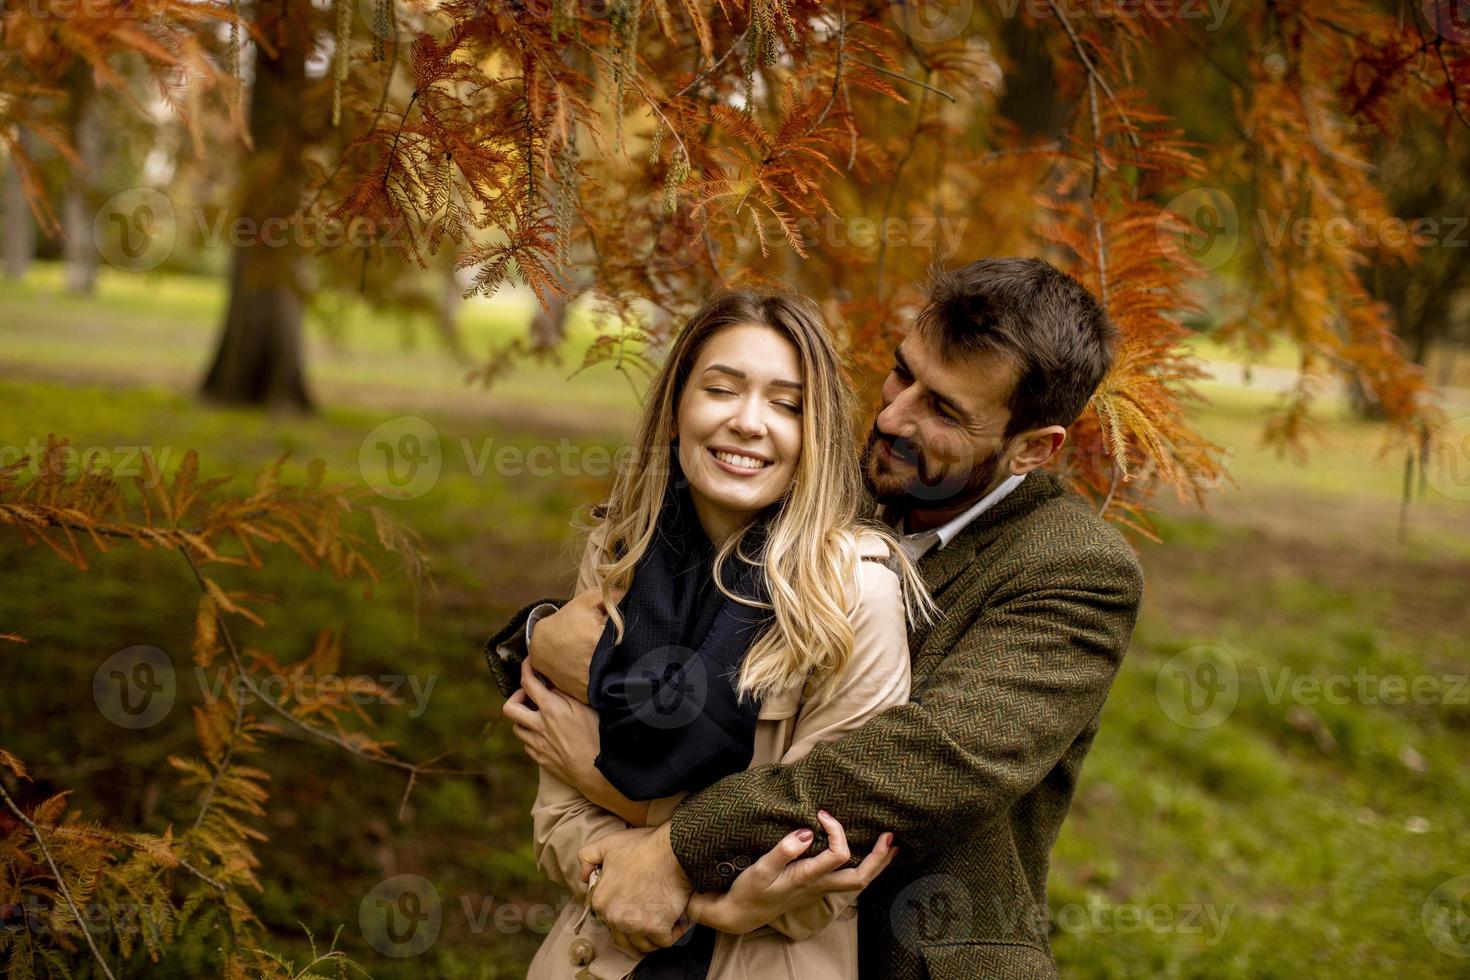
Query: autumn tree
column 641, row 152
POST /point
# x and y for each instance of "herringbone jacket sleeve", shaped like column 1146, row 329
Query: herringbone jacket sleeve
column 1020, row 683
column 876, row 677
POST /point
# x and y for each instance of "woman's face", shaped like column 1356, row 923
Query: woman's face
column 739, row 425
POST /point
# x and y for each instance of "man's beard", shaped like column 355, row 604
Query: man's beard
column 922, row 489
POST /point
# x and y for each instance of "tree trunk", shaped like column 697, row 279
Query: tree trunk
column 260, row 360
column 79, row 204
column 20, row 229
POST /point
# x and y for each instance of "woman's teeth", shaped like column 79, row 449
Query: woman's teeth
column 744, row 462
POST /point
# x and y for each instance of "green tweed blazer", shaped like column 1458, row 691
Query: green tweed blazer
column 1038, row 599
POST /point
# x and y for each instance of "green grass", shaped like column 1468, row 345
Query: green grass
column 1297, row 837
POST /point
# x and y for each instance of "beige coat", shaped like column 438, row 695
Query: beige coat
column 815, row 942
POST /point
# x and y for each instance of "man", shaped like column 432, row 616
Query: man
column 1038, row 597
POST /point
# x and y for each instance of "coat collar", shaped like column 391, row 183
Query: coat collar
column 940, row 567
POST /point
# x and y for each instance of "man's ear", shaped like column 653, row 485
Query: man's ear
column 1035, row 448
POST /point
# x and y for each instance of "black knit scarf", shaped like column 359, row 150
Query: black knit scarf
column 670, row 717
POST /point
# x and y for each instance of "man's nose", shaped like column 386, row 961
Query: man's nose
column 897, row 417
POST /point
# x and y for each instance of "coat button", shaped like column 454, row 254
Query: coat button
column 742, row 862
column 581, row 951
column 725, row 868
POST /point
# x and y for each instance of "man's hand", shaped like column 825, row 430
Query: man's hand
column 778, row 882
column 642, row 892
column 562, row 643
column 559, row 734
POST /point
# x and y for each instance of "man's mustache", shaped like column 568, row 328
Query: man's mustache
column 904, row 449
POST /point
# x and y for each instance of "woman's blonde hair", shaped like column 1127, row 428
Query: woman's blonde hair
column 811, row 553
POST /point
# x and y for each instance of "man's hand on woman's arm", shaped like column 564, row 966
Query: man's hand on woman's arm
column 647, row 902
column 562, row 643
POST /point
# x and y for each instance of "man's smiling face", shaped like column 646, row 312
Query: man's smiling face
column 938, row 443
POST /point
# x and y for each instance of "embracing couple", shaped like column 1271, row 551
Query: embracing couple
column 814, row 710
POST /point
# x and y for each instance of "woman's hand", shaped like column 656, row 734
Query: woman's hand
column 559, row 734
column 563, row 738
column 779, row 882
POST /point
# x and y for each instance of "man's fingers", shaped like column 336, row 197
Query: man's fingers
column 621, row 941
column 592, row 854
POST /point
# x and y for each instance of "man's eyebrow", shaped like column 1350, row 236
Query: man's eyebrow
column 734, row 373
column 939, row 396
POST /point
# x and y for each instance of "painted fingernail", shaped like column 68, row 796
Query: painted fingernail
column 804, row 834
column 824, row 814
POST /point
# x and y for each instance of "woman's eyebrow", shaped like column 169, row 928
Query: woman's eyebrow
column 734, row 373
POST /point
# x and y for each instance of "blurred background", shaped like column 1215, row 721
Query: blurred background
column 438, row 249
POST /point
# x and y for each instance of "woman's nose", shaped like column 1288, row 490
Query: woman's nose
column 750, row 420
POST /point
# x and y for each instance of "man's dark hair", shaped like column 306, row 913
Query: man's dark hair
column 1029, row 311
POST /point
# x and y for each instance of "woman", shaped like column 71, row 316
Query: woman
column 751, row 614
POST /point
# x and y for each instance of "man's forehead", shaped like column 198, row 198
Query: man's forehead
column 977, row 380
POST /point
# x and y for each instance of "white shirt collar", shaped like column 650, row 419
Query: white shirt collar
column 920, row 543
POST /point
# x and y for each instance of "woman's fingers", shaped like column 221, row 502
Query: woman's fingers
column 520, row 714
column 836, row 836
column 856, row 879
column 774, row 861
column 531, row 683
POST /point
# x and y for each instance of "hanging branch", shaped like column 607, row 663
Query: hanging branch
column 60, row 881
